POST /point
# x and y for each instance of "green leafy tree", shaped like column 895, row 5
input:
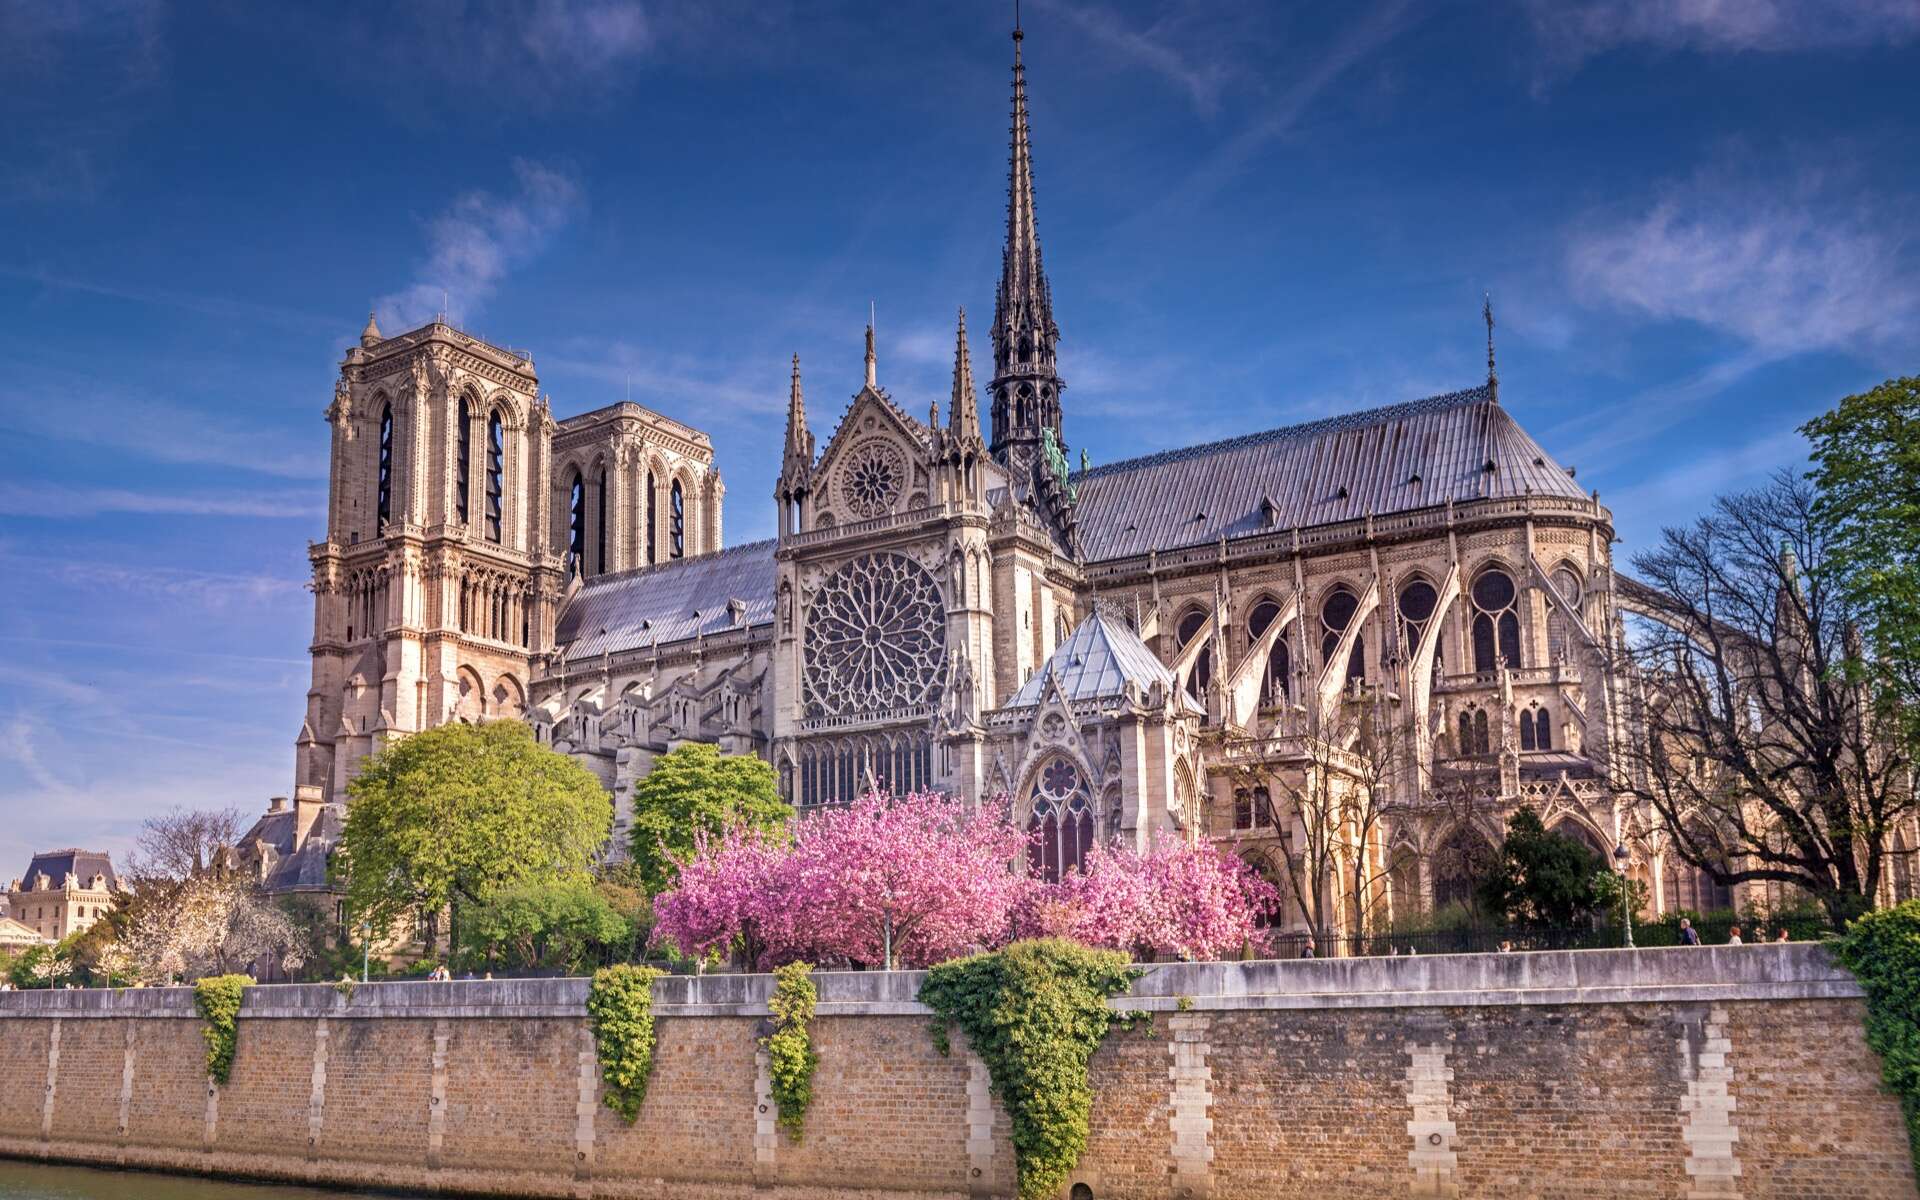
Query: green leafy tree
column 695, row 791
column 545, row 925
column 446, row 818
column 1541, row 879
column 1867, row 468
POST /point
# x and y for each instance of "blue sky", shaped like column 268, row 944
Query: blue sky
column 1694, row 217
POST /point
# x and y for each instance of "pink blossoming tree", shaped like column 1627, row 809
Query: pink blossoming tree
column 914, row 880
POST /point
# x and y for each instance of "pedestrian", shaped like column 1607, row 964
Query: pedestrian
column 1506, row 947
column 1783, row 935
column 1306, row 949
column 1733, row 937
column 1689, row 936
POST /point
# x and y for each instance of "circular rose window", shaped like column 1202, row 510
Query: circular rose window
column 873, row 478
column 875, row 638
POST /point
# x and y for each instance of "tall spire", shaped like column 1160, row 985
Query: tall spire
column 873, row 376
column 1493, row 379
column 1026, row 387
column 798, row 462
column 963, row 416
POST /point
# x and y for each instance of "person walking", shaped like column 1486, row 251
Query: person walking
column 1689, row 936
column 1733, row 937
column 1783, row 935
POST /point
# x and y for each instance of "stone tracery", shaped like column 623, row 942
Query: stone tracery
column 875, row 638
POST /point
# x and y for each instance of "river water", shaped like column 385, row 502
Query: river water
column 38, row 1181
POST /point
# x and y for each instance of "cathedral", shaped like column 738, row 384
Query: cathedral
column 1372, row 635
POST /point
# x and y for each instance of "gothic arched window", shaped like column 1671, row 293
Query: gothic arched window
column 496, row 477
column 463, row 460
column 600, row 521
column 1417, row 602
column 1192, row 626
column 577, row 525
column 1559, row 627
column 653, row 516
column 1536, row 733
column 384, row 506
column 1475, row 735
column 1458, row 864
column 1690, row 887
column 1060, row 831
column 1277, row 684
column 677, row 514
column 1336, row 613
column 1496, row 626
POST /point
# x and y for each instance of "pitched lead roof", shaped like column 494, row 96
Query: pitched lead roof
column 1382, row 460
column 668, row 602
column 1096, row 662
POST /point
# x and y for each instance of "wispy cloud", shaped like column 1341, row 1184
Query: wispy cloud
column 1200, row 71
column 1809, row 266
column 208, row 589
column 1357, row 41
column 62, row 502
column 479, row 238
column 41, row 402
column 68, row 136
column 1574, row 32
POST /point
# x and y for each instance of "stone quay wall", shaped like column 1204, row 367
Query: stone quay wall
column 1724, row 1071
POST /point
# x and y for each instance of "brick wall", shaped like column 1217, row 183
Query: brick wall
column 1673, row 1073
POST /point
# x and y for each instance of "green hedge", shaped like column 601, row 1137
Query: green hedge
column 790, row 1049
column 620, row 1009
column 218, row 999
column 1035, row 1012
column 1882, row 949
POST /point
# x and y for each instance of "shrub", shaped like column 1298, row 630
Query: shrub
column 1035, row 1012
column 1882, row 949
column 790, row 1046
column 620, row 1009
column 218, row 999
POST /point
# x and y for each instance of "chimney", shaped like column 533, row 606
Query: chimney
column 277, row 804
column 307, row 806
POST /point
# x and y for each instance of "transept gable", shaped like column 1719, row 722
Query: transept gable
column 875, row 463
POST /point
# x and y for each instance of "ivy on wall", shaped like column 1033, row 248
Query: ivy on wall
column 217, row 998
column 790, row 1046
column 620, row 1009
column 1035, row 1012
column 1882, row 949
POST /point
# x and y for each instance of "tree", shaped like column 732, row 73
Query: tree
column 1867, row 456
column 1176, row 901
column 694, row 791
column 445, row 818
column 1766, row 751
column 183, row 843
column 914, row 879
column 545, row 925
column 1541, row 879
column 1340, row 793
column 215, row 923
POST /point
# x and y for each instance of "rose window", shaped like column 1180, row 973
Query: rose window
column 876, row 638
column 873, row 479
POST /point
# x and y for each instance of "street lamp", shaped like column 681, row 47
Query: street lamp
column 1620, row 855
column 366, row 948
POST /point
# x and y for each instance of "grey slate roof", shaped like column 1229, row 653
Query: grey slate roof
column 674, row 600
column 84, row 864
column 1096, row 662
column 1193, row 496
column 305, row 868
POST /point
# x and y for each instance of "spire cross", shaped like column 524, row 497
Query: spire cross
column 1486, row 311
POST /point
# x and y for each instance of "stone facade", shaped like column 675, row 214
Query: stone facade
column 1664, row 1073
column 63, row 892
column 1380, row 632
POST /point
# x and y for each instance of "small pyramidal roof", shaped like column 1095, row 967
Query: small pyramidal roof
column 1096, row 662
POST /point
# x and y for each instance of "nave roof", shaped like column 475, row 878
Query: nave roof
column 1458, row 447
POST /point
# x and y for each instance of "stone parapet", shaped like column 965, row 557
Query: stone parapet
column 1795, row 971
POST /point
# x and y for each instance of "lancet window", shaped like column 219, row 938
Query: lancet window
column 1060, row 829
column 1496, row 626
column 1277, row 684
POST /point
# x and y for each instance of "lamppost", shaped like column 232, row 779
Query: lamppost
column 366, row 948
column 1620, row 856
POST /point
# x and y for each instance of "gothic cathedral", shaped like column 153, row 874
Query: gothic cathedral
column 1409, row 608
